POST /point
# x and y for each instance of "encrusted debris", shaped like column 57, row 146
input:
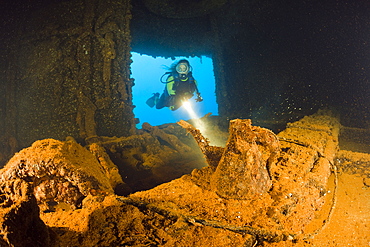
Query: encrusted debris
column 20, row 223
column 59, row 171
column 192, row 211
column 242, row 166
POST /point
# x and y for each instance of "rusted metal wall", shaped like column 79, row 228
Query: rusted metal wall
column 68, row 73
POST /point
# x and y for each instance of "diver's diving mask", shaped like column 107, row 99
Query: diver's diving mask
column 183, row 70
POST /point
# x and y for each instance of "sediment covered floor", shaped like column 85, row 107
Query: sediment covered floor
column 301, row 190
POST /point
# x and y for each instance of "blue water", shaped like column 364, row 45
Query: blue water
column 147, row 72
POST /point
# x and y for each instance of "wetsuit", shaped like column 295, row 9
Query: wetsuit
column 177, row 90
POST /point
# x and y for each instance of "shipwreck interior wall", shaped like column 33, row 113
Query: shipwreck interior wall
column 274, row 61
column 67, row 72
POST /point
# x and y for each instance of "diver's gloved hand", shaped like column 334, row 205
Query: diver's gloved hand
column 199, row 98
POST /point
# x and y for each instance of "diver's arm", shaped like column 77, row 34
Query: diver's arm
column 169, row 85
column 199, row 98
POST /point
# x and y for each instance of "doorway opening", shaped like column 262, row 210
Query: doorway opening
column 147, row 72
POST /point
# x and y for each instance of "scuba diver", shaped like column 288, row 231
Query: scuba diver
column 180, row 86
